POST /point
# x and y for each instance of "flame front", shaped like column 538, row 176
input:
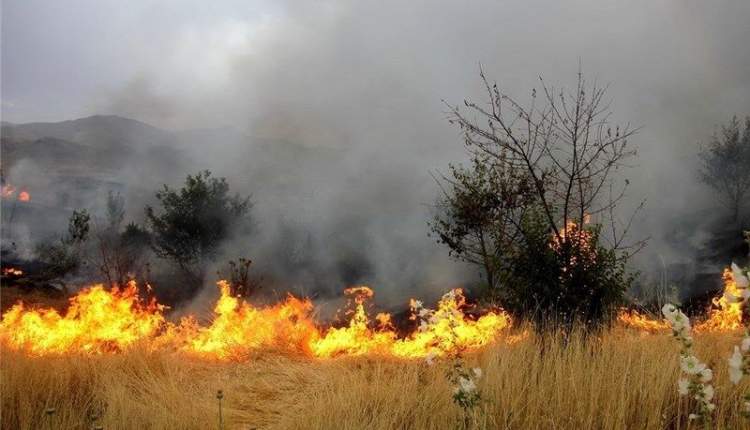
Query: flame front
column 96, row 321
column 100, row 321
column 238, row 328
column 104, row 321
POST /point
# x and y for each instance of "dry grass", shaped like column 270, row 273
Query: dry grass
column 623, row 381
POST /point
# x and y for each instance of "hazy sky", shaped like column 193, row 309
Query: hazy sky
column 372, row 76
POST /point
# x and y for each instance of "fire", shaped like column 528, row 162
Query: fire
column 726, row 314
column 357, row 337
column 448, row 329
column 101, row 321
column 12, row 271
column 7, row 191
column 580, row 238
column 636, row 320
column 97, row 321
column 238, row 327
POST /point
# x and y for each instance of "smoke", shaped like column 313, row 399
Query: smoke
column 331, row 113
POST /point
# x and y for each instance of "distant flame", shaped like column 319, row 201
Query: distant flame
column 12, row 271
column 7, row 191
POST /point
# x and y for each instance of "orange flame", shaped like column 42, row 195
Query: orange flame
column 238, row 327
column 97, row 321
column 8, row 191
column 636, row 320
column 581, row 239
column 100, row 321
column 726, row 315
column 12, row 271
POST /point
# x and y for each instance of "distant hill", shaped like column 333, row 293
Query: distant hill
column 94, row 130
column 72, row 164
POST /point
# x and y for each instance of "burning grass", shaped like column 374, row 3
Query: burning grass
column 100, row 321
column 114, row 360
column 622, row 380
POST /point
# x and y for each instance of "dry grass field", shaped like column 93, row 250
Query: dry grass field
column 623, row 380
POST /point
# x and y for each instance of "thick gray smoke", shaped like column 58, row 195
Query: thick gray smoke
column 330, row 113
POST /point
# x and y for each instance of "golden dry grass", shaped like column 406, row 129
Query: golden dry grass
column 624, row 380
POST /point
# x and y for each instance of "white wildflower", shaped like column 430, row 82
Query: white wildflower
column 739, row 278
column 467, row 385
column 682, row 386
column 735, row 375
column 708, row 392
column 692, row 416
column 706, row 375
column 745, row 345
column 735, row 366
column 477, row 372
column 669, row 312
column 691, row 365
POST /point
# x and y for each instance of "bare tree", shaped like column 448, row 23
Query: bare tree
column 120, row 252
column 539, row 173
column 724, row 165
column 565, row 144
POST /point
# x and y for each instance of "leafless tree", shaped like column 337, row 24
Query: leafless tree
column 565, row 143
column 724, row 165
column 119, row 254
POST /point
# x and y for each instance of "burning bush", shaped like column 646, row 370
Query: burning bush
column 566, row 281
column 539, row 171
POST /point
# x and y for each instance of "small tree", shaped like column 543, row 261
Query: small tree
column 476, row 215
column 194, row 220
column 66, row 255
column 566, row 150
column 120, row 253
column 724, row 165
